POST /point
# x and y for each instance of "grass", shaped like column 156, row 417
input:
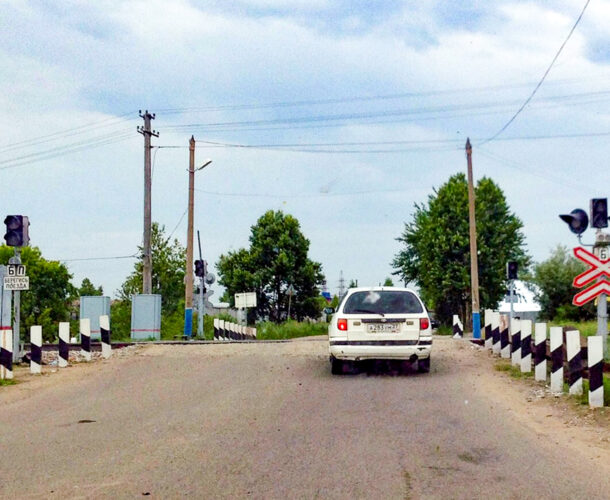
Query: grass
column 586, row 329
column 6, row 381
column 289, row 330
column 504, row 365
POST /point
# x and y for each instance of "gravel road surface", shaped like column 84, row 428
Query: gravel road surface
column 270, row 421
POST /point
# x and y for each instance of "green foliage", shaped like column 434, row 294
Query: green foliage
column 120, row 314
column 276, row 259
column 168, row 261
column 47, row 302
column 353, row 284
column 436, row 247
column 88, row 288
column 388, row 282
column 335, row 302
column 554, row 278
column 289, row 330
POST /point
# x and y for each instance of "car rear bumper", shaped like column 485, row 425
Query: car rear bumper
column 392, row 349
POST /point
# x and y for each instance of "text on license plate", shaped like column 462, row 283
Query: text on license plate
column 382, row 328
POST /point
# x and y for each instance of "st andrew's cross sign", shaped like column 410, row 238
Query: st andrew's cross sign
column 599, row 268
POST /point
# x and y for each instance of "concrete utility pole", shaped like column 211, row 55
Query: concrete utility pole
column 146, row 253
column 474, row 267
column 188, row 294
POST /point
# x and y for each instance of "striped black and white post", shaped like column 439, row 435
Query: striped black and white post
column 6, row 353
column 574, row 362
column 526, row 346
column 556, row 359
column 488, row 337
column 35, row 349
column 504, row 343
column 105, row 336
column 540, row 352
column 216, row 320
column 64, row 344
column 495, row 333
column 85, row 338
column 458, row 328
column 229, row 327
column 515, row 342
column 595, row 360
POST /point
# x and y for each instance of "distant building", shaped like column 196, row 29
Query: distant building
column 525, row 305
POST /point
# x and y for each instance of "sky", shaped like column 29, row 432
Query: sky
column 344, row 114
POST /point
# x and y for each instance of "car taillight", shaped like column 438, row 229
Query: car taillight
column 342, row 324
column 424, row 323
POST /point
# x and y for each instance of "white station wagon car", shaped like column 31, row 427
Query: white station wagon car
column 380, row 323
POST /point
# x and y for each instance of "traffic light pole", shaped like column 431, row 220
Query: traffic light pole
column 16, row 311
column 200, row 296
column 602, row 304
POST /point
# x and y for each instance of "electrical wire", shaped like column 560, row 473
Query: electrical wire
column 134, row 256
column 538, row 85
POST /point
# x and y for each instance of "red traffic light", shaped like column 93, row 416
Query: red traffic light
column 577, row 220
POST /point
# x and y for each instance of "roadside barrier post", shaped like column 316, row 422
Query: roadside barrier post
column 216, row 328
column 64, row 341
column 35, row 349
column 458, row 329
column 85, row 338
column 574, row 362
column 504, row 343
column 595, row 362
column 526, row 346
column 105, row 336
column 540, row 352
column 556, row 359
column 221, row 329
column 515, row 342
column 495, row 333
column 488, row 337
column 6, row 353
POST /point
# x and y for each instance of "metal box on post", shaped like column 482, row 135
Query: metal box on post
column 92, row 307
column 146, row 317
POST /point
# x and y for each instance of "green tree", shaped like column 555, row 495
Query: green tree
column 88, row 288
column 555, row 291
column 47, row 302
column 436, row 248
column 277, row 258
column 388, row 282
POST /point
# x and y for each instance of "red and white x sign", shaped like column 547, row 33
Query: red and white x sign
column 597, row 269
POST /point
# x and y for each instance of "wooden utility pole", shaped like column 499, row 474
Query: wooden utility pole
column 146, row 253
column 474, row 267
column 188, row 281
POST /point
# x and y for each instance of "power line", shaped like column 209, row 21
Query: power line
column 525, row 103
column 301, row 195
column 134, row 256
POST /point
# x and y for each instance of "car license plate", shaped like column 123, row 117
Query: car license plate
column 382, row 328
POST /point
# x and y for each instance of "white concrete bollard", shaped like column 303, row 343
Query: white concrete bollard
column 495, row 332
column 515, row 342
column 85, row 338
column 556, row 359
column 64, row 344
column 595, row 362
column 458, row 328
column 35, row 349
column 504, row 340
column 526, row 346
column 105, row 336
column 488, row 337
column 540, row 352
column 6, row 353
column 574, row 362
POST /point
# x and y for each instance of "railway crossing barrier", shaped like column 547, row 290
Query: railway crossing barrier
column 226, row 330
column 458, row 328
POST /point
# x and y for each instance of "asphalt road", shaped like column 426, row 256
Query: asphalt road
column 270, row 421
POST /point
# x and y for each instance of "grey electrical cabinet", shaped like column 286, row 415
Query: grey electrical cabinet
column 92, row 307
column 146, row 317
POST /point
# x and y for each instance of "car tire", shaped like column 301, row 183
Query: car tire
column 423, row 365
column 336, row 366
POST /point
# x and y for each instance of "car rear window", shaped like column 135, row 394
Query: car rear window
column 382, row 301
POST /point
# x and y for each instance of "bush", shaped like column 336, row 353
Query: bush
column 289, row 330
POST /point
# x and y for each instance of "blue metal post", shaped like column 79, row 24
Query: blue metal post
column 476, row 325
column 188, row 322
